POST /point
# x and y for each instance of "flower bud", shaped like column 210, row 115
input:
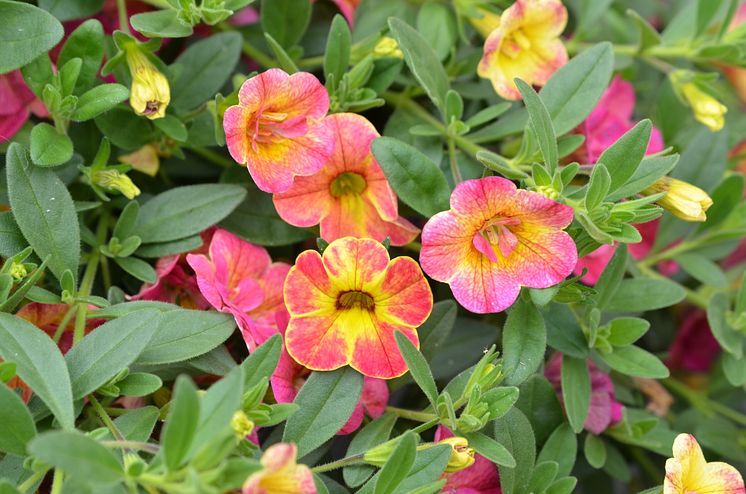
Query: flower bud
column 462, row 456
column 387, row 47
column 241, row 424
column 114, row 180
column 683, row 200
column 18, row 271
column 149, row 94
column 378, row 455
column 707, row 109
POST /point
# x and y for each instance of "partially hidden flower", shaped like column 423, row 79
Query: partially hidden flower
column 486, row 23
column 289, row 377
column 114, row 180
column 348, row 9
column 683, row 200
column 147, row 159
column 17, row 102
column 481, row 477
column 239, row 278
column 694, row 348
column 350, row 195
column 604, row 410
column 737, row 75
column 346, row 306
column 526, row 44
column 387, row 47
column 688, row 472
column 707, row 110
column 280, row 474
column 462, row 456
column 49, row 317
column 277, row 130
column 150, row 93
column 495, row 239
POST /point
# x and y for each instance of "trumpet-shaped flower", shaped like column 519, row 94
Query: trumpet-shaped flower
column 277, row 129
column 280, row 473
column 346, row 306
column 150, row 93
column 495, row 239
column 482, row 477
column 689, row 473
column 239, row 278
column 350, row 196
column 525, row 45
column 683, row 200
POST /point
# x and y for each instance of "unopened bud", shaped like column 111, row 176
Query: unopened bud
column 684, row 200
column 387, row 47
column 18, row 271
column 241, row 424
column 150, row 93
column 114, row 180
column 707, row 110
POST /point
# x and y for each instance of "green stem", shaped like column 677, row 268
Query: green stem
column 702, row 401
column 57, row 482
column 150, row 448
column 106, row 419
column 455, row 171
column 311, row 62
column 89, row 276
column 427, row 425
column 124, row 23
column 350, row 460
column 646, row 463
column 411, row 414
column 29, row 482
column 213, row 157
column 63, row 323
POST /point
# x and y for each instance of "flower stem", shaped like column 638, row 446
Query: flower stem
column 124, row 23
column 411, row 414
column 150, row 448
column 350, row 460
column 213, row 157
column 64, row 322
column 57, row 482
column 455, row 171
column 29, row 482
column 89, row 276
column 106, row 419
column 252, row 51
column 702, row 401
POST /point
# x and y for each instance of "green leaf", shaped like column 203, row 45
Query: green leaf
column 44, row 211
column 337, row 54
column 398, row 465
column 77, row 455
column 139, row 384
column 734, row 369
column 576, row 391
column 98, row 100
column 416, row 180
column 542, row 476
column 626, row 330
column 17, row 426
column 125, row 129
column 595, row 451
column 262, row 362
column 598, row 187
column 138, row 424
column 49, row 147
column 372, row 434
column 103, row 353
column 490, row 449
column 204, row 68
column 563, row 486
column 326, row 401
column 730, row 340
column 573, row 91
column 39, row 363
column 218, row 406
column 172, row 127
column 562, row 447
column 650, row 170
column 181, row 423
column 160, row 24
column 428, row 466
column 285, row 20
column 649, row 36
column 541, row 123
column 183, row 334
column 704, row 160
column 624, row 156
column 514, row 432
column 284, row 60
column 418, row 367
column 422, row 61
column 86, row 43
column 611, row 277
column 436, row 24
column 539, row 403
column 137, row 268
column 634, row 361
column 434, row 332
column 66, row 10
column 524, row 341
column 25, row 33
column 163, row 249
column 702, row 269
column 725, row 198
column 184, row 211
column 564, row 333
column 640, row 294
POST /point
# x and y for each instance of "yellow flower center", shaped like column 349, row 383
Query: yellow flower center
column 352, row 299
column 499, row 235
column 514, row 43
column 347, row 183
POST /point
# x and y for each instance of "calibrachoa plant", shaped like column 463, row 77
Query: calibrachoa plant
column 375, row 246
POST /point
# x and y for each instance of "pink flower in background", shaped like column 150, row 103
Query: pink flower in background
column 277, row 129
column 694, row 348
column 737, row 75
column 239, row 278
column 350, row 195
column 17, row 102
column 348, row 8
column 480, row 478
column 495, row 239
column 280, row 473
column 289, row 377
column 604, row 410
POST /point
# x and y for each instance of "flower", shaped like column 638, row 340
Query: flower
column 387, row 47
column 48, row 318
column 346, row 305
column 241, row 424
column 707, row 110
column 348, row 8
column 688, row 472
column 609, row 120
column 149, row 93
column 115, row 180
column 524, row 45
column 694, row 348
column 604, row 410
column 277, row 129
column 289, row 376
column 281, row 474
column 145, row 160
column 684, row 200
column 462, row 456
column 737, row 75
column 17, row 102
column 488, row 22
column 350, row 195
column 239, row 278
column 481, row 477
column 495, row 239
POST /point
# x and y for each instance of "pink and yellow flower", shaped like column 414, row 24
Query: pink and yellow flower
column 495, row 239
column 290, row 376
column 239, row 278
column 689, row 473
column 350, row 195
column 526, row 44
column 482, row 477
column 604, row 410
column 346, row 306
column 281, row 474
column 277, row 129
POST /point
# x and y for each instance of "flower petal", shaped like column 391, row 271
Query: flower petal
column 376, row 353
column 404, row 296
column 355, row 264
column 323, row 341
column 308, row 288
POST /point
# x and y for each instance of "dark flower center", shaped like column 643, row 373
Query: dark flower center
column 349, row 300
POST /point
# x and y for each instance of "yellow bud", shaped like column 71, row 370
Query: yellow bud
column 707, row 109
column 114, row 180
column 548, row 191
column 149, row 94
column 387, row 47
column 144, row 160
column 485, row 24
column 683, row 200
column 18, row 271
column 241, row 424
column 462, row 456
